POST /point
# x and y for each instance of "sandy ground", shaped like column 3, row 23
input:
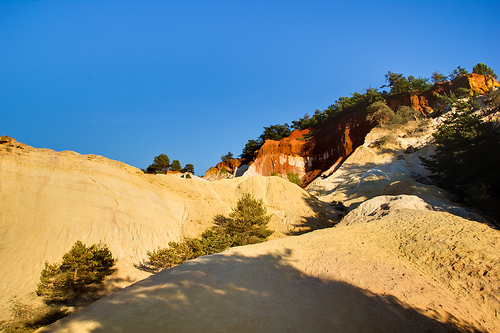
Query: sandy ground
column 51, row 199
column 407, row 271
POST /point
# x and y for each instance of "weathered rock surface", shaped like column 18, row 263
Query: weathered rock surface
column 225, row 169
column 51, row 199
column 408, row 271
column 311, row 154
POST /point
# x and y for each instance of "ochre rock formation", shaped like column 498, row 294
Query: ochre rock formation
column 230, row 165
column 311, row 153
column 425, row 101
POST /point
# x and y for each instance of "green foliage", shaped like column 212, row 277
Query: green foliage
column 160, row 164
column 175, row 166
column 399, row 84
column 228, row 156
column 380, row 113
column 273, row 132
column 370, row 96
column 438, row 77
column 28, row 318
column 457, row 72
column 188, row 176
column 188, row 168
column 405, row 113
column 81, row 267
column 250, row 148
column 246, row 224
column 274, row 173
column 481, row 68
column 294, row 178
column 384, row 141
column 468, row 154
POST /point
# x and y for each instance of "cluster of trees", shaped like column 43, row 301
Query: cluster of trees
column 468, row 151
column 246, row 224
column 161, row 164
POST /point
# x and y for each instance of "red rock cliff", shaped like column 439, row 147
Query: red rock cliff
column 311, row 153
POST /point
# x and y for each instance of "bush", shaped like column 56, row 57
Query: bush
column 380, row 113
column 246, row 224
column 294, row 178
column 481, row 68
column 383, row 141
column 404, row 114
column 274, row 173
column 81, row 267
column 468, row 154
column 28, row 318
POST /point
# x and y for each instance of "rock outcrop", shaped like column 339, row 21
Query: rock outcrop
column 312, row 153
column 225, row 169
column 51, row 199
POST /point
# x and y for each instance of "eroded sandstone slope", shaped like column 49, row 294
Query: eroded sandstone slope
column 51, row 199
column 406, row 271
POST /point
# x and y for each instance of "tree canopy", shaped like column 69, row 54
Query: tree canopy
column 81, row 267
column 160, row 164
column 481, row 68
column 228, row 156
column 175, row 166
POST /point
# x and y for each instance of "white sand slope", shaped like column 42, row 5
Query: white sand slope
column 407, row 271
column 51, row 199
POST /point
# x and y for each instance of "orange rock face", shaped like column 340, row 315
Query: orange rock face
column 426, row 101
column 313, row 152
column 230, row 165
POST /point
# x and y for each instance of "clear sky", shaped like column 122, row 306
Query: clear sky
column 130, row 80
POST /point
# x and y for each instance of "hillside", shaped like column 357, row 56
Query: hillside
column 409, row 271
column 52, row 199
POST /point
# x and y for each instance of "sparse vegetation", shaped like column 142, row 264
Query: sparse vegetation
column 384, row 141
column 294, row 178
column 28, row 318
column 246, row 224
column 82, row 267
column 228, row 156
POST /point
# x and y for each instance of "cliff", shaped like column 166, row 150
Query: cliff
column 321, row 150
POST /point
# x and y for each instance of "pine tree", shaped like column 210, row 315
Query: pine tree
column 81, row 267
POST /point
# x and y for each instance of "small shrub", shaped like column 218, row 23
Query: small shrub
column 294, row 178
column 384, row 141
column 274, row 173
column 28, row 318
column 407, row 114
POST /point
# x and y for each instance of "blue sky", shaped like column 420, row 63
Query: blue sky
column 195, row 79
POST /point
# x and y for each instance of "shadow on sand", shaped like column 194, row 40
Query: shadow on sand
column 234, row 293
